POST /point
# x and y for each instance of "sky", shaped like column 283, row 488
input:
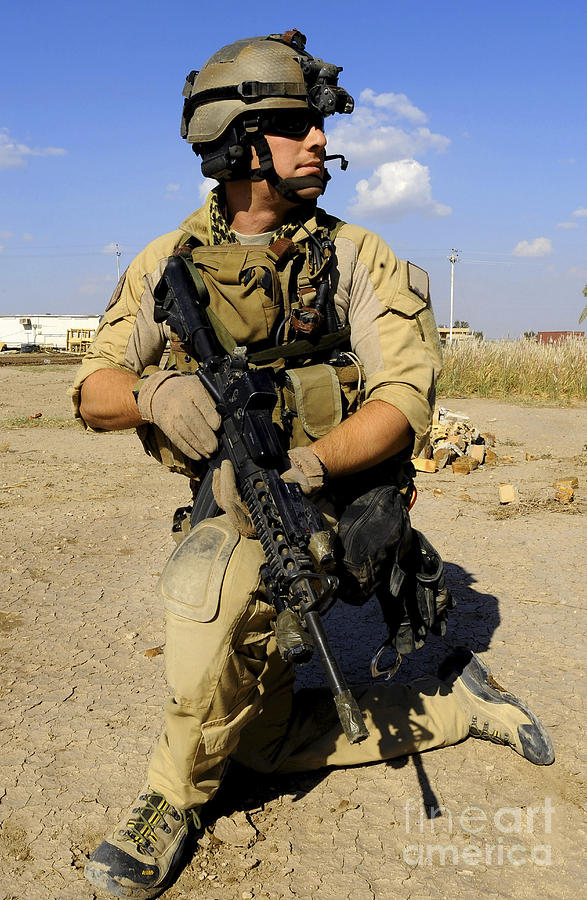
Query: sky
column 469, row 132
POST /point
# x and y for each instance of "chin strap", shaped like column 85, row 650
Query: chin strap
column 287, row 187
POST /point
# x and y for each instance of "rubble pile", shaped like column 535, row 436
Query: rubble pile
column 455, row 442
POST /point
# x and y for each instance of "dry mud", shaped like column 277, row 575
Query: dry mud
column 85, row 533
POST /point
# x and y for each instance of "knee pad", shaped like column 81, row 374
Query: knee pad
column 191, row 581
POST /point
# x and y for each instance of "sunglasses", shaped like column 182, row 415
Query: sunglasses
column 291, row 122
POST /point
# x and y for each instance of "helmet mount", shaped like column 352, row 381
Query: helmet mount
column 230, row 104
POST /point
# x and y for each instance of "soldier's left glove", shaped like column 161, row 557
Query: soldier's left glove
column 307, row 470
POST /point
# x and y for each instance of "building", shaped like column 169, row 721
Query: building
column 555, row 337
column 458, row 334
column 47, row 331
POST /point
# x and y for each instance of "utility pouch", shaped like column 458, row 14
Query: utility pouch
column 385, row 556
column 375, row 533
column 244, row 291
column 313, row 395
column 423, row 602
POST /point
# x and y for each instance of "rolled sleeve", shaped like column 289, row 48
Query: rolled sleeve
column 393, row 332
column 128, row 339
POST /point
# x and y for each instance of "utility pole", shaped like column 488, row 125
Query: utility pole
column 117, row 254
column 453, row 258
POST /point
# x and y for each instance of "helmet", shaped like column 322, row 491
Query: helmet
column 229, row 103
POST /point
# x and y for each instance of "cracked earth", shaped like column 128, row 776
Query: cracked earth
column 85, row 534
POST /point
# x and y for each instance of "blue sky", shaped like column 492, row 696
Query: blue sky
column 469, row 132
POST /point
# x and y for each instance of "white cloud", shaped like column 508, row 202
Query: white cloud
column 540, row 246
column 397, row 189
column 27, row 236
column 205, row 187
column 5, row 235
column 14, row 155
column 566, row 226
column 397, row 105
column 579, row 213
column 369, row 138
column 171, row 188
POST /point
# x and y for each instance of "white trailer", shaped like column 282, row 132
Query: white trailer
column 44, row 331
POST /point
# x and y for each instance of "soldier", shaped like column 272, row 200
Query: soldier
column 356, row 389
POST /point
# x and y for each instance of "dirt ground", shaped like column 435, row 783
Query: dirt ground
column 85, row 533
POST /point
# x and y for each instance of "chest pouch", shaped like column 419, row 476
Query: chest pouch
column 245, row 297
column 312, row 394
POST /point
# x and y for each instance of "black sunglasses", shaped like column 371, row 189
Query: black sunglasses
column 291, row 122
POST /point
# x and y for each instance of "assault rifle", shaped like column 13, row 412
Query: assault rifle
column 299, row 555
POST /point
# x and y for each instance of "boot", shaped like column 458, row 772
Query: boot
column 494, row 714
column 146, row 852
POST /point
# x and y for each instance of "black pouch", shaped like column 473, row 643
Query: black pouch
column 423, row 601
column 375, row 533
column 383, row 555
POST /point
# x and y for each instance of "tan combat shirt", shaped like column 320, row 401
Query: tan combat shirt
column 384, row 300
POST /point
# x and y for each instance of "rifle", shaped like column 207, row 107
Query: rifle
column 299, row 556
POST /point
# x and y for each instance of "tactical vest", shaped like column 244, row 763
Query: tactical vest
column 265, row 298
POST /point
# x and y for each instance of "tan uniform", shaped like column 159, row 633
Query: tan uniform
column 232, row 693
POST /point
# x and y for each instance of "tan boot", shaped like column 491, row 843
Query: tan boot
column 146, row 852
column 494, row 714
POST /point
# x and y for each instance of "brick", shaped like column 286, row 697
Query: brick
column 424, row 465
column 477, row 451
column 488, row 438
column 442, row 457
column 508, row 493
column 464, row 464
column 572, row 481
column 490, row 457
column 565, row 494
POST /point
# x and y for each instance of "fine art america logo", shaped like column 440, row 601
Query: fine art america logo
column 510, row 836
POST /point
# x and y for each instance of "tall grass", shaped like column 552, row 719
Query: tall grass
column 520, row 369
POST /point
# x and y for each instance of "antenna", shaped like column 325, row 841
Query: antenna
column 453, row 258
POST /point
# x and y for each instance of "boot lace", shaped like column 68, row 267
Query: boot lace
column 148, row 821
column 495, row 736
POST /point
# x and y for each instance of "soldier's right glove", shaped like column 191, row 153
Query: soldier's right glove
column 182, row 408
column 228, row 498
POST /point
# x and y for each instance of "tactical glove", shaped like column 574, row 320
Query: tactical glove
column 182, row 408
column 228, row 498
column 306, row 469
column 224, row 487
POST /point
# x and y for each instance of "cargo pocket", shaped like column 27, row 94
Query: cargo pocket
column 222, row 735
column 191, row 581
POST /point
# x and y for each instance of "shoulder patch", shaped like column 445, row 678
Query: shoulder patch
column 418, row 282
column 117, row 291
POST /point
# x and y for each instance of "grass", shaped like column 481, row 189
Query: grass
column 43, row 422
column 516, row 370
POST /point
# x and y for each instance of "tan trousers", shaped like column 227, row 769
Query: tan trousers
column 233, row 694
